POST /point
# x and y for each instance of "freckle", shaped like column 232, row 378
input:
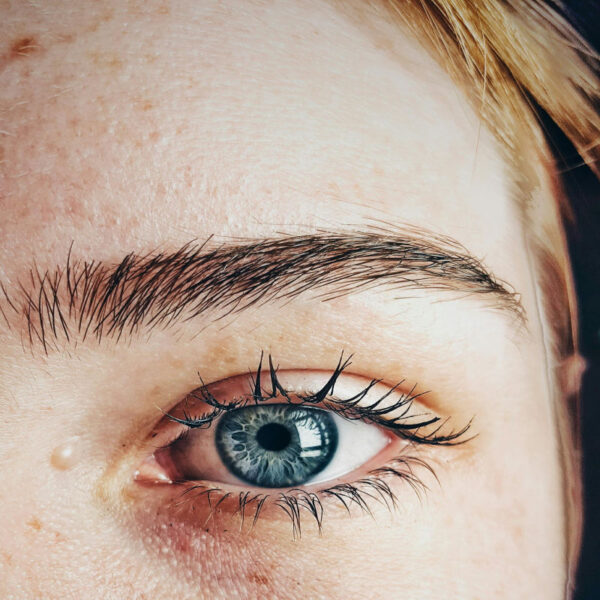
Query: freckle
column 155, row 392
column 65, row 455
column 93, row 27
column 65, row 38
column 115, row 63
column 23, row 47
column 260, row 579
column 34, row 524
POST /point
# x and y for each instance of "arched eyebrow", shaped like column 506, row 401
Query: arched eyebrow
column 87, row 298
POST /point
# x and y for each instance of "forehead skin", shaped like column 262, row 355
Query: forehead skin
column 127, row 126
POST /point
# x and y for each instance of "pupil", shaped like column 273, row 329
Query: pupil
column 273, row 436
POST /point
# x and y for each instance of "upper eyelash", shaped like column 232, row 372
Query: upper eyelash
column 371, row 487
column 402, row 425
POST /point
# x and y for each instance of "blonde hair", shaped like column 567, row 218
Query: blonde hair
column 509, row 55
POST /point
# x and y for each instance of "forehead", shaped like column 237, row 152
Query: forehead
column 126, row 125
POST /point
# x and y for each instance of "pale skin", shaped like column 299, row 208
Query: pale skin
column 128, row 127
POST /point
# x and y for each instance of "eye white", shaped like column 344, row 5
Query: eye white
column 358, row 442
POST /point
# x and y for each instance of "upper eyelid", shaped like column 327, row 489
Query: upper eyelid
column 89, row 298
column 349, row 407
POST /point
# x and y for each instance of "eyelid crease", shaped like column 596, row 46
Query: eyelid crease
column 402, row 425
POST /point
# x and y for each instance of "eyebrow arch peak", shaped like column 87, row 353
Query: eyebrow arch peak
column 85, row 298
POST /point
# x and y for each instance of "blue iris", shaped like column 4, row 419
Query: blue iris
column 276, row 445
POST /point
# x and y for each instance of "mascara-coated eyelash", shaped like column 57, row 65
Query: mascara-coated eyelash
column 266, row 386
column 373, row 487
column 404, row 425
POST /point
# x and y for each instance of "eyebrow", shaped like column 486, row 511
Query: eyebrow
column 89, row 298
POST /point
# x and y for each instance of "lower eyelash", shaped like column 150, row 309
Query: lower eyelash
column 374, row 487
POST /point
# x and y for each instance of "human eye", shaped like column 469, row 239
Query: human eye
column 294, row 442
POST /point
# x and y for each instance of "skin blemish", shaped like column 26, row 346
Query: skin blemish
column 65, row 38
column 20, row 48
column 106, row 60
column 23, row 46
column 258, row 579
column 104, row 18
column 34, row 523
column 66, row 455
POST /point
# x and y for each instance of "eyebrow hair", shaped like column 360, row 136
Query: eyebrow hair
column 86, row 298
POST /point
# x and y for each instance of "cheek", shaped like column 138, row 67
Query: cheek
column 265, row 562
column 501, row 508
column 506, row 515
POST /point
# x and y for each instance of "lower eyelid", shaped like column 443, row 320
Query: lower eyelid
column 402, row 478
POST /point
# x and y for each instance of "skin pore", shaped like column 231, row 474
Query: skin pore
column 141, row 127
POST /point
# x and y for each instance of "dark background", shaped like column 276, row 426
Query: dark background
column 584, row 242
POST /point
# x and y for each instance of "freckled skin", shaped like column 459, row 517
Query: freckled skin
column 132, row 126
